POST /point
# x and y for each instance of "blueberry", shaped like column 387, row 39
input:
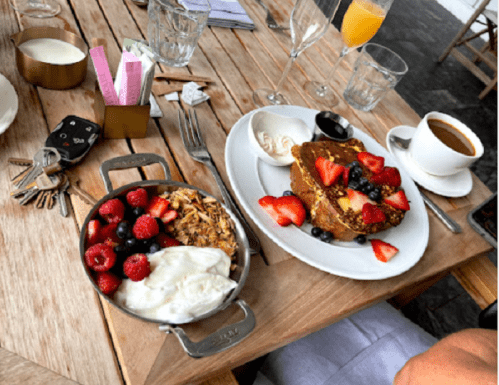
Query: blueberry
column 375, row 195
column 360, row 239
column 354, row 164
column 120, row 250
column 326, row 236
column 154, row 247
column 138, row 211
column 353, row 184
column 363, row 182
column 355, row 173
column 131, row 243
column 367, row 188
column 287, row 193
column 316, row 232
column 122, row 230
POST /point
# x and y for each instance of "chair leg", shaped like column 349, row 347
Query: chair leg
column 487, row 89
column 463, row 30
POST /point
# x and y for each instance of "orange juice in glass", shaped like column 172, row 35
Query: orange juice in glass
column 361, row 21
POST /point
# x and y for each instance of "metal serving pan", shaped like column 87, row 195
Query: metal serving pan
column 223, row 338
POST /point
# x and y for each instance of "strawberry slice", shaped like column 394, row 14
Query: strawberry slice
column 166, row 241
column 383, row 251
column 268, row 204
column 358, row 199
column 398, row 200
column 372, row 214
column 390, row 176
column 328, row 171
column 291, row 207
column 169, row 216
column 372, row 162
column 94, row 229
column 157, row 207
column 346, row 174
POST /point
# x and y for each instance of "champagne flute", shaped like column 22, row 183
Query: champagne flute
column 36, row 8
column 309, row 22
column 362, row 20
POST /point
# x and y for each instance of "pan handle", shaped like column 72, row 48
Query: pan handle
column 218, row 341
column 131, row 161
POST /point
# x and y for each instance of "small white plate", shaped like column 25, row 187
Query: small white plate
column 251, row 179
column 454, row 186
column 8, row 104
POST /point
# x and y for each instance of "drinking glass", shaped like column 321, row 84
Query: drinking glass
column 174, row 29
column 36, row 8
column 309, row 22
column 362, row 20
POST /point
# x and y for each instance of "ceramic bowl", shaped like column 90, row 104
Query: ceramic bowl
column 272, row 136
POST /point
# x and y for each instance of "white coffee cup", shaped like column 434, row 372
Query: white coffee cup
column 444, row 146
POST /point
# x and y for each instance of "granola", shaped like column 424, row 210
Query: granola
column 201, row 221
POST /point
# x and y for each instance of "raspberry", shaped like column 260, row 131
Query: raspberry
column 107, row 282
column 137, row 267
column 100, row 257
column 113, row 211
column 109, row 236
column 166, row 241
column 137, row 198
column 145, row 227
column 94, row 229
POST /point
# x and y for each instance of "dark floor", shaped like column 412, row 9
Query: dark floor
column 419, row 31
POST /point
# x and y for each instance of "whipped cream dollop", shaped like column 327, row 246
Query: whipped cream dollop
column 278, row 146
column 185, row 282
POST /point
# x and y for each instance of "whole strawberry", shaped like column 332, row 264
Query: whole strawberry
column 100, row 257
column 113, row 211
column 145, row 227
column 107, row 282
column 137, row 198
column 137, row 267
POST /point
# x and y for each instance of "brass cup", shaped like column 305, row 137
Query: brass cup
column 47, row 75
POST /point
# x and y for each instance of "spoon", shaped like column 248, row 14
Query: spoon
column 403, row 144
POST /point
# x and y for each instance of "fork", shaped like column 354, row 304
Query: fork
column 196, row 147
column 269, row 19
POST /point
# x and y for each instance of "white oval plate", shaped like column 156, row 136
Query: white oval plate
column 252, row 179
column 8, row 104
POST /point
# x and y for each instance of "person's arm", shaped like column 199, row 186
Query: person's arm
column 468, row 357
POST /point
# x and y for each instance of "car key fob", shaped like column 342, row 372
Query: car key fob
column 73, row 138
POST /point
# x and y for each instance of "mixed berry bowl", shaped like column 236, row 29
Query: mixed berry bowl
column 223, row 338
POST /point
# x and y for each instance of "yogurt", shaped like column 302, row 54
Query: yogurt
column 52, row 51
column 185, row 282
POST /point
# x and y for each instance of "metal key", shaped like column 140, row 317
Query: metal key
column 61, row 196
column 41, row 159
column 42, row 182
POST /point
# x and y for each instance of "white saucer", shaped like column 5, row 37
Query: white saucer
column 454, row 186
column 8, row 104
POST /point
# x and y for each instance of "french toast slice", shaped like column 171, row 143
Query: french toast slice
column 330, row 208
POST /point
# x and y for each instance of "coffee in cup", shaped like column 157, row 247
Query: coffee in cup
column 444, row 146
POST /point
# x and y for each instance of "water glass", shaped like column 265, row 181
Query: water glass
column 376, row 71
column 174, row 29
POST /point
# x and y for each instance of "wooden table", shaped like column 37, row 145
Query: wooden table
column 54, row 327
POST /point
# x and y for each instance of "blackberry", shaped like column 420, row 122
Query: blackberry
column 316, row 232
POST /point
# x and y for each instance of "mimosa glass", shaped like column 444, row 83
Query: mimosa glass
column 309, row 21
column 362, row 20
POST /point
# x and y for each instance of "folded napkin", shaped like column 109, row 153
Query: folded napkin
column 225, row 13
